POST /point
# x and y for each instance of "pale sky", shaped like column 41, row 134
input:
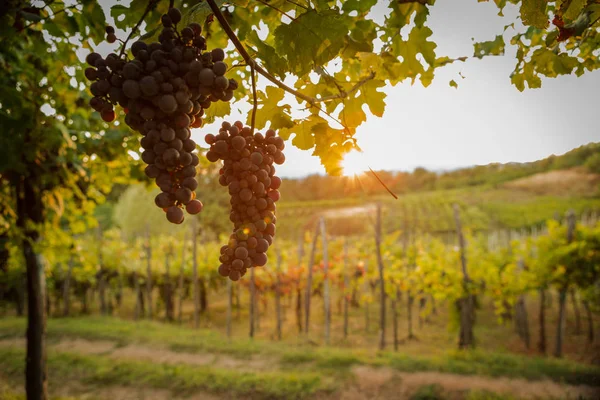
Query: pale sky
column 485, row 120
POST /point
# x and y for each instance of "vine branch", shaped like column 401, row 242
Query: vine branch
column 150, row 6
column 254, row 101
column 252, row 63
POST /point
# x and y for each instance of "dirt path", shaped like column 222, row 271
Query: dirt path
column 368, row 383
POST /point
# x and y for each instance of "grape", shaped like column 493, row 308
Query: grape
column 92, row 58
column 165, row 90
column 175, row 215
column 183, row 195
column 131, row 89
column 220, row 68
column 194, row 206
column 149, row 86
column 224, row 270
column 152, row 171
column 217, row 55
column 167, row 103
column 170, row 157
column 174, row 14
column 108, row 115
column 167, row 134
column 247, row 171
column 185, row 158
column 164, row 200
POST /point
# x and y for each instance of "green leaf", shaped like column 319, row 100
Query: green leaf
column 272, row 61
column 490, row 48
column 374, row 99
column 360, row 6
column 268, row 110
column 573, row 9
column 217, row 110
column 533, row 12
column 453, row 84
column 312, row 39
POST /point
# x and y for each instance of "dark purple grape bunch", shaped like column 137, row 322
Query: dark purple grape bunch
column 164, row 91
column 249, row 174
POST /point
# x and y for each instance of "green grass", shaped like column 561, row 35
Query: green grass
column 300, row 358
column 104, row 371
column 428, row 392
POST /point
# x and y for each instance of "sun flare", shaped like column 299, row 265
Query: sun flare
column 354, row 163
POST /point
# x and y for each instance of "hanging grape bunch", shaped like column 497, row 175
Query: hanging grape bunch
column 249, row 174
column 164, row 91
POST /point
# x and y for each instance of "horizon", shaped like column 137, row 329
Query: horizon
column 442, row 169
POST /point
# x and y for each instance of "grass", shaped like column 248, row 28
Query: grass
column 292, row 359
column 104, row 371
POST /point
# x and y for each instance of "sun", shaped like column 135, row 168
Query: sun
column 354, row 163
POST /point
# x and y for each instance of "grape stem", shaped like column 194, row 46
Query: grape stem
column 150, row 6
column 252, row 63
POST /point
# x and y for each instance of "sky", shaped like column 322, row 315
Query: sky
column 485, row 120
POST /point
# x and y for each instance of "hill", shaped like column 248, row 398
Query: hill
column 515, row 196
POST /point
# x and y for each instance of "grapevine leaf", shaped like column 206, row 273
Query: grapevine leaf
column 533, row 12
column 200, row 11
column 352, row 114
column 453, row 84
column 490, row 48
column 574, row 8
column 269, row 110
column 218, row 109
column 312, row 39
column 272, row 61
column 360, row 6
column 374, row 99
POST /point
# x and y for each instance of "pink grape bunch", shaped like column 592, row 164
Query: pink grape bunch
column 249, row 174
column 164, row 91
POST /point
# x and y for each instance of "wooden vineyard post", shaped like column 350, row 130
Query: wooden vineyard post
column 101, row 273
column 136, row 289
column 298, row 288
column 346, row 285
column 588, row 312
column 466, row 304
column 67, row 284
column 381, row 279
column 168, row 298
column 148, row 272
column 366, row 290
column 521, row 318
column 562, row 295
column 576, row 312
column 307, row 296
column 252, row 302
column 397, row 299
column 180, row 283
column 229, row 306
column 542, row 321
column 326, row 295
column 278, row 294
column 195, row 294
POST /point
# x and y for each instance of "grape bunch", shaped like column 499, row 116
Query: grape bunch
column 249, row 174
column 164, row 91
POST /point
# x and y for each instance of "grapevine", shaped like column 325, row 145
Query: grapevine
column 249, row 175
column 164, row 91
